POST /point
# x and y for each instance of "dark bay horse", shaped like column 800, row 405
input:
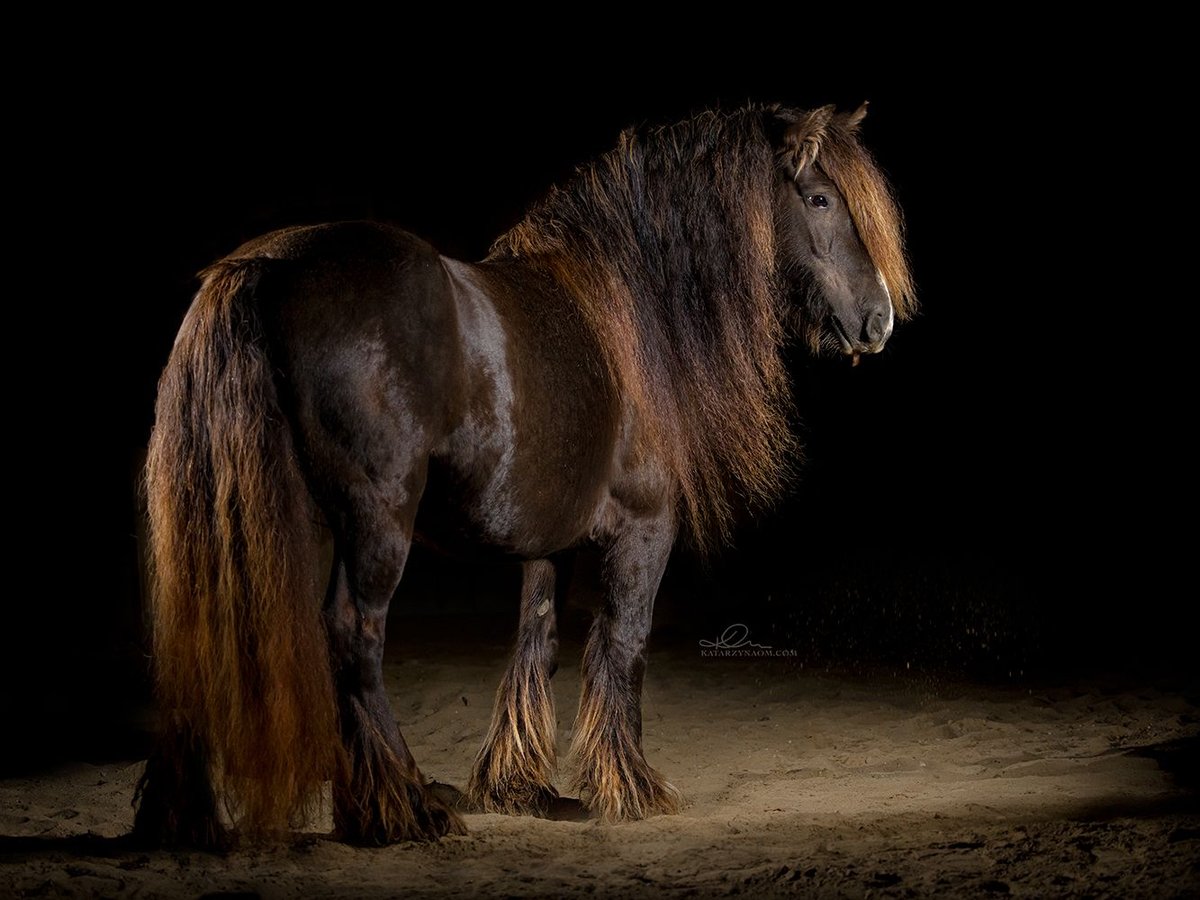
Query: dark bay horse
column 611, row 373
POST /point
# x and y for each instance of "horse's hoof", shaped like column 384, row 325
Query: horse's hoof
column 451, row 796
column 515, row 799
column 443, row 820
column 425, row 817
column 210, row 836
column 613, row 800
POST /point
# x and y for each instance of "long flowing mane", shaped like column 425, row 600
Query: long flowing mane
column 668, row 243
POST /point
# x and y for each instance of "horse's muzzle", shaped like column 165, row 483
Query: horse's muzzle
column 877, row 328
column 868, row 334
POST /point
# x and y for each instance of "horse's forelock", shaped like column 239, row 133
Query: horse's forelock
column 802, row 139
column 876, row 215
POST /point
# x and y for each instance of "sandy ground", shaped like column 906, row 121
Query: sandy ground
column 798, row 783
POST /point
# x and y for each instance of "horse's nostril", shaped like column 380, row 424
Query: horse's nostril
column 878, row 326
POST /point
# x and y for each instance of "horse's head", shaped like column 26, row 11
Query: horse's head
column 840, row 235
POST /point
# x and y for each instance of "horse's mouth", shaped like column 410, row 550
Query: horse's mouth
column 848, row 347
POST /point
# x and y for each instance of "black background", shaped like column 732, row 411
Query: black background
column 999, row 495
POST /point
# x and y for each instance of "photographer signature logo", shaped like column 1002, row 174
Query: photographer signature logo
column 735, row 641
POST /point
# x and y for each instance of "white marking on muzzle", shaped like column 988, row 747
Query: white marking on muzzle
column 891, row 309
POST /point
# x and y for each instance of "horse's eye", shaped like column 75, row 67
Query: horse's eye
column 818, row 200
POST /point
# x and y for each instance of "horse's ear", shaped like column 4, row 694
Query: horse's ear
column 802, row 139
column 851, row 121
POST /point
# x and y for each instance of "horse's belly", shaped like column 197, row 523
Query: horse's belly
column 507, row 509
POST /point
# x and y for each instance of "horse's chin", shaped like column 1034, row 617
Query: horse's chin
column 828, row 339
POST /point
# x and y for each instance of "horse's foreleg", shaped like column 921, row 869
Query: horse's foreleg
column 382, row 797
column 514, row 770
column 612, row 775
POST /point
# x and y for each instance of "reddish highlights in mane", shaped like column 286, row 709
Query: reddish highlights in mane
column 668, row 244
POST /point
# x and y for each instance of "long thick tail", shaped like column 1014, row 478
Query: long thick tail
column 240, row 655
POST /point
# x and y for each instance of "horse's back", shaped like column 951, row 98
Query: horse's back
column 331, row 240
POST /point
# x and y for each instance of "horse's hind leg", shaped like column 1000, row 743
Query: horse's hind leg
column 514, row 770
column 176, row 804
column 382, row 797
column 612, row 775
